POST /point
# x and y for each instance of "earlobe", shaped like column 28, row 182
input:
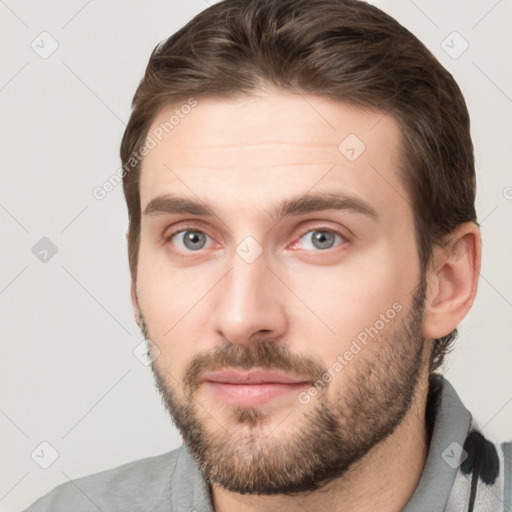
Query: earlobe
column 452, row 281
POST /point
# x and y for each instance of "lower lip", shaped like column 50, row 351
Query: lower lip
column 252, row 395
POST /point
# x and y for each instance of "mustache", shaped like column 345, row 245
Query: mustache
column 262, row 354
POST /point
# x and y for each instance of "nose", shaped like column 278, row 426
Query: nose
column 249, row 303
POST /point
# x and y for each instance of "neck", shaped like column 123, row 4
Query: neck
column 387, row 475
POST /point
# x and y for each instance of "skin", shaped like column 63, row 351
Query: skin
column 209, row 306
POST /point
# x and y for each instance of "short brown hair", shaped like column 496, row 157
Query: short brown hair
column 341, row 49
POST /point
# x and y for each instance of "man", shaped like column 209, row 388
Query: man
column 303, row 243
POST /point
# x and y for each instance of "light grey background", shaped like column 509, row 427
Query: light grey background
column 68, row 374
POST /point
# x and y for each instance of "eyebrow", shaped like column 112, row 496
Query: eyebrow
column 308, row 203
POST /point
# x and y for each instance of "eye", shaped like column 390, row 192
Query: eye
column 193, row 240
column 320, row 238
column 188, row 239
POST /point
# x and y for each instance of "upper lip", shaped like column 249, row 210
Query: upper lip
column 254, row 377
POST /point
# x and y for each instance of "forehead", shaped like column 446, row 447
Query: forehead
column 254, row 149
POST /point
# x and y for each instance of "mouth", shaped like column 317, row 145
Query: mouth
column 251, row 389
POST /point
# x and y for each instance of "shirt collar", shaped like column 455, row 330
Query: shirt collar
column 450, row 422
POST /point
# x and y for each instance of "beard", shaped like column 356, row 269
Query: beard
column 242, row 455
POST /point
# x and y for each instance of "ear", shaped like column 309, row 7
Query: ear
column 452, row 281
column 135, row 303
column 133, row 295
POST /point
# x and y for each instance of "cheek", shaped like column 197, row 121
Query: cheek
column 346, row 299
column 168, row 299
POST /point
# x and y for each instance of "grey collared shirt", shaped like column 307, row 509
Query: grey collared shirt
column 172, row 482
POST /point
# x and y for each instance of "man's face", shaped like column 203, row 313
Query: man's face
column 272, row 280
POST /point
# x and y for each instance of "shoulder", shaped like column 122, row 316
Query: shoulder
column 127, row 487
column 506, row 450
column 485, row 474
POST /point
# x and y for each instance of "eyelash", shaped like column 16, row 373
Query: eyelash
column 182, row 229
